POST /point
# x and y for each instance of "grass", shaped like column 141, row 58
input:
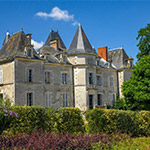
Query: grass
column 142, row 143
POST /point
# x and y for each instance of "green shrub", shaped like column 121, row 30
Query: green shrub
column 69, row 120
column 111, row 121
column 31, row 117
column 144, row 123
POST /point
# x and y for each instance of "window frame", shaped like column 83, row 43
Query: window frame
column 111, row 81
column 49, row 76
column 29, row 76
column 64, row 79
column 101, row 99
column 27, row 100
column 65, row 99
column 48, row 99
column 100, row 83
column 91, row 78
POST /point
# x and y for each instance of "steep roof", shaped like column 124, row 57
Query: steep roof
column 54, row 35
column 80, row 42
column 118, row 57
column 14, row 46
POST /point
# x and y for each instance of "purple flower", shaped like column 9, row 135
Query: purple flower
column 15, row 114
column 5, row 110
column 10, row 113
column 5, row 114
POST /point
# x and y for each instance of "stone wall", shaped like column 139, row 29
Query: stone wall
column 38, row 86
column 7, row 86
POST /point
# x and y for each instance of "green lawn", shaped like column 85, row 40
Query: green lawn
column 142, row 143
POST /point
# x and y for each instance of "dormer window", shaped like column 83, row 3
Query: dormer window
column 29, row 52
column 64, row 59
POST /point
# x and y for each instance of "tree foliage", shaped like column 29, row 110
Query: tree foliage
column 144, row 41
column 136, row 90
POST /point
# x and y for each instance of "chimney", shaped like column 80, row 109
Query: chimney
column 55, row 44
column 29, row 38
column 102, row 52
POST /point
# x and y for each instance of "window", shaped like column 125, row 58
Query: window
column 65, row 100
column 1, row 96
column 99, row 81
column 47, row 77
column 64, row 78
column 98, row 63
column 29, row 75
column 111, row 81
column 48, row 99
column 112, row 98
column 99, row 99
column 90, row 78
column 131, row 64
column 1, row 76
column 29, row 52
column 29, row 99
column 91, row 101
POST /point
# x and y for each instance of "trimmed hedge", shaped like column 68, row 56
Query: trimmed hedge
column 37, row 117
column 111, row 121
column 25, row 119
column 31, row 117
column 69, row 120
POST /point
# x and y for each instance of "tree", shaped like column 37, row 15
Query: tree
column 144, row 41
column 136, row 90
column 120, row 103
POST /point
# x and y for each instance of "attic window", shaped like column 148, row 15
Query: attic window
column 29, row 52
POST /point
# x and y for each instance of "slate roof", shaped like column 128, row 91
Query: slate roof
column 119, row 57
column 15, row 45
column 53, row 36
column 51, row 51
column 80, row 42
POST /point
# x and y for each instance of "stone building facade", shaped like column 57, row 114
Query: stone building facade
column 54, row 76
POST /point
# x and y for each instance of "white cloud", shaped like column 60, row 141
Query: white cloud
column 36, row 44
column 57, row 14
column 75, row 23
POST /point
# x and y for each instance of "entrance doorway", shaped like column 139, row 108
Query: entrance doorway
column 91, row 101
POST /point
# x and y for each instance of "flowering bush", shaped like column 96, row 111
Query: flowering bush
column 30, row 118
column 6, row 115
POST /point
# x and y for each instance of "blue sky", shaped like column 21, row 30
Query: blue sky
column 106, row 23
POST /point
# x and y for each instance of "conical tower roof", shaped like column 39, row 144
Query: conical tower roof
column 80, row 42
column 6, row 38
column 54, row 35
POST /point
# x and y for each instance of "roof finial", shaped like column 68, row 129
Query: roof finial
column 121, row 46
column 79, row 22
column 22, row 28
column 7, row 33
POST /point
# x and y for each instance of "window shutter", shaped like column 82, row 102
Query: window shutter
column 49, row 100
column 61, row 78
column 66, row 100
column 51, row 77
column 1, row 76
column 46, row 99
column 68, row 77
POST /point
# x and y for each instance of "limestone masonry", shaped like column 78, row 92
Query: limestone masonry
column 54, row 76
